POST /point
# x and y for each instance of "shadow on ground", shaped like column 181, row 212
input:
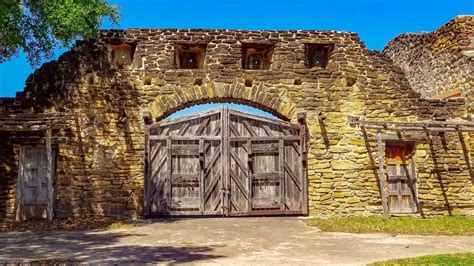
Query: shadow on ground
column 93, row 247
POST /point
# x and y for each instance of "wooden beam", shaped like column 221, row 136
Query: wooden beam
column 226, row 162
column 420, row 128
column 249, row 173
column 418, row 123
column 304, row 172
column 276, row 138
column 147, row 169
column 49, row 174
column 382, row 175
column 147, row 118
column 202, row 187
column 169, row 173
column 281, row 164
column 456, row 93
column 196, row 138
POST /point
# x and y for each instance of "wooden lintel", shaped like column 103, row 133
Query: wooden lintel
column 401, row 136
column 421, row 128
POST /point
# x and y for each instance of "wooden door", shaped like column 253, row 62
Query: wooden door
column 184, row 175
column 267, row 174
column 401, row 177
column 33, row 184
column 225, row 162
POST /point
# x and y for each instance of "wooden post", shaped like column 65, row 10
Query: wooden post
column 304, row 160
column 202, row 184
column 281, row 164
column 226, row 162
column 382, row 174
column 19, row 187
column 169, row 174
column 249, row 174
column 304, row 170
column 49, row 174
column 147, row 169
column 224, row 155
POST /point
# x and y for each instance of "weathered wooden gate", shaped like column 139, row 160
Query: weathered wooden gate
column 225, row 162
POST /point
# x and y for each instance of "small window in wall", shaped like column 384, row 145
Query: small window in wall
column 257, row 56
column 121, row 55
column 317, row 55
column 189, row 56
column 401, row 177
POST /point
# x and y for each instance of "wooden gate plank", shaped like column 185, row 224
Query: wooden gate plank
column 239, row 184
column 239, row 162
column 249, row 128
column 292, row 176
column 211, row 162
column 211, row 187
column 202, row 126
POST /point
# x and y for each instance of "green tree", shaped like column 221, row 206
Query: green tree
column 39, row 26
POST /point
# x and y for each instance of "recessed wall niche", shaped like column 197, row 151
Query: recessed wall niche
column 121, row 55
column 257, row 56
column 189, row 56
column 317, row 55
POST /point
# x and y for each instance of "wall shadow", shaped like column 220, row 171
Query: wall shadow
column 373, row 164
column 437, row 170
column 93, row 247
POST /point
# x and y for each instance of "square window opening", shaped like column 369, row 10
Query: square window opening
column 317, row 55
column 257, row 56
column 121, row 55
column 190, row 56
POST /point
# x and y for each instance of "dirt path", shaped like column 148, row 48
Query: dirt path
column 277, row 240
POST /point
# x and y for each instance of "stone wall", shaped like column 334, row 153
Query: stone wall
column 438, row 61
column 100, row 160
column 8, row 172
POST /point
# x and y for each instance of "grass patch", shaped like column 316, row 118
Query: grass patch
column 453, row 226
column 445, row 259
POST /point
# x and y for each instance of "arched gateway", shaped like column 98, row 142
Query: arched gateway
column 225, row 162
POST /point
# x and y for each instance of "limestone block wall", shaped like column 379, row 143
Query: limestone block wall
column 438, row 61
column 8, row 171
column 100, row 162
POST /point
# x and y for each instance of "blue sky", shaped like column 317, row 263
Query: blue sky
column 376, row 21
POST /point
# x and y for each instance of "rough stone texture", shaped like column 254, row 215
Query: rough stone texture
column 437, row 61
column 100, row 160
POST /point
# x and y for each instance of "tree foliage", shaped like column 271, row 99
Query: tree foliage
column 39, row 26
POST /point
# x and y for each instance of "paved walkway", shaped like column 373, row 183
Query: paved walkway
column 276, row 240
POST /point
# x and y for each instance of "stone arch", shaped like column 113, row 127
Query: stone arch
column 274, row 101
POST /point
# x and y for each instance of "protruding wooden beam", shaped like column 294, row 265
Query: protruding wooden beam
column 147, row 118
column 301, row 117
